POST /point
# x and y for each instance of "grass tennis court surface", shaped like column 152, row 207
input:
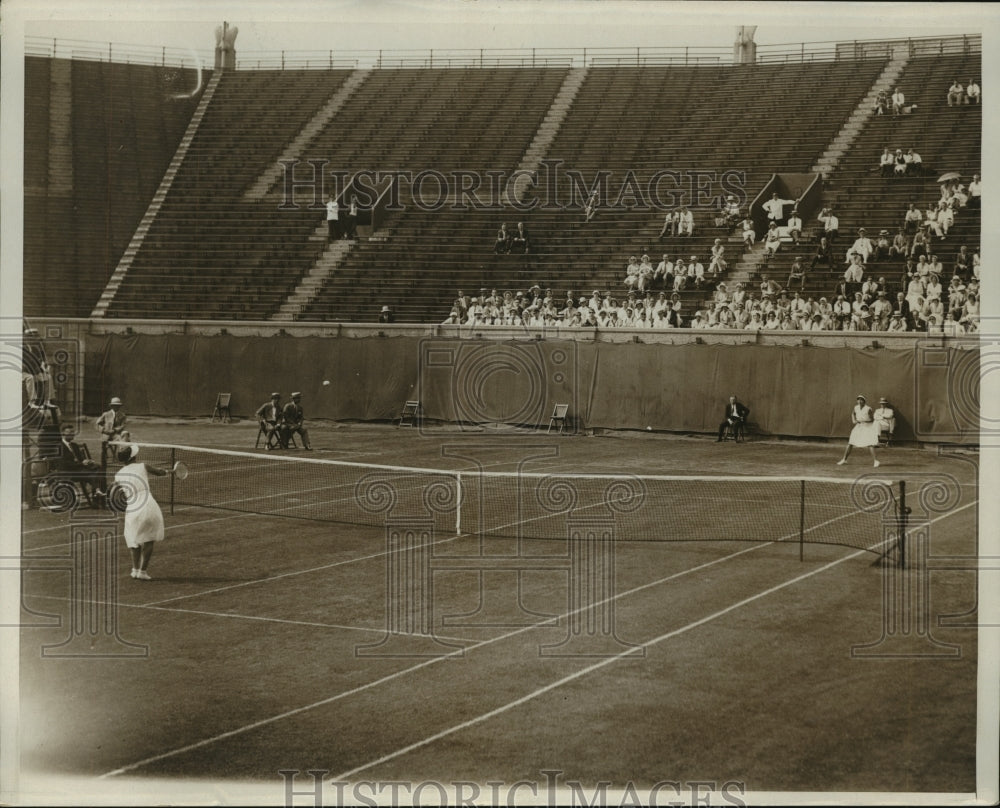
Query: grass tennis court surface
column 721, row 660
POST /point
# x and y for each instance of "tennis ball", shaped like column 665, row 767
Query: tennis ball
column 326, row 382
column 649, row 429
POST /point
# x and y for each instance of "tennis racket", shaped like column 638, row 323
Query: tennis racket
column 180, row 471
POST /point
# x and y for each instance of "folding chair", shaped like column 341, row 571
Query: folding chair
column 222, row 408
column 410, row 416
column 735, row 432
column 558, row 417
column 270, row 436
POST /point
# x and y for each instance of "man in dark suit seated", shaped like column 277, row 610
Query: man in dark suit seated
column 269, row 418
column 294, row 421
column 74, row 461
column 734, row 418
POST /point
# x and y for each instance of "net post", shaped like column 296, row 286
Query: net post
column 173, row 459
column 458, row 503
column 902, row 524
column 802, row 520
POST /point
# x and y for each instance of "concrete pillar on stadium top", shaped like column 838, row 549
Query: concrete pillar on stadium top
column 744, row 48
column 225, row 46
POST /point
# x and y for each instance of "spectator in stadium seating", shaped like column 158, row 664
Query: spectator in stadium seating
column 975, row 192
column 914, row 163
column 664, row 272
column 951, row 327
column 823, row 254
column 632, row 272
column 862, row 246
column 900, row 163
column 769, row 289
column 797, row 272
column 945, row 219
column 914, row 292
column 932, row 287
column 502, row 245
column 733, row 417
column 670, row 221
column 956, row 94
column 696, row 272
column 111, row 425
column 886, row 163
column 970, row 314
column 973, row 92
column 962, row 263
column 854, row 275
column 795, row 227
column 902, row 305
column 685, row 222
column 387, row 315
column 35, row 371
column 900, row 245
column 831, row 225
column 931, row 224
column 775, row 208
column 73, row 460
column 351, row 220
column 680, row 275
column 898, row 102
column 269, row 418
column 865, row 431
column 731, row 211
column 897, row 323
column 912, row 219
column 332, row 218
column 881, row 106
column 885, row 417
column 841, row 313
column 918, row 247
column 520, row 244
column 772, row 241
column 881, row 311
column 293, row 421
column 749, row 234
column 756, row 323
column 645, row 273
column 454, row 318
column 718, row 263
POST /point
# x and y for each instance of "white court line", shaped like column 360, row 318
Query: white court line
column 433, row 661
column 180, row 610
column 609, row 660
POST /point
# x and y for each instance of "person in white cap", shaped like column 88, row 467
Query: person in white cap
column 885, row 417
column 294, row 421
column 386, row 315
column 111, row 425
column 865, row 431
column 143, row 517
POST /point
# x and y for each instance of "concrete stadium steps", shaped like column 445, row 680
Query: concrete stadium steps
column 106, row 135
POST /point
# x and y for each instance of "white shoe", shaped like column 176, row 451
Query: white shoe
column 875, row 464
column 841, row 462
column 135, row 572
column 142, row 575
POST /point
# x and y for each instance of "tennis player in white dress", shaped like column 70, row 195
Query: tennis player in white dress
column 143, row 517
column 864, row 433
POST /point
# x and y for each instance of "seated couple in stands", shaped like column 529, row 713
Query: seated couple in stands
column 959, row 95
column 516, row 242
column 898, row 164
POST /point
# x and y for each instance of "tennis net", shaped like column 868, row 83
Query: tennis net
column 861, row 513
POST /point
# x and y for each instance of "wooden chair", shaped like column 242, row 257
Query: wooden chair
column 411, row 414
column 558, row 416
column 222, row 408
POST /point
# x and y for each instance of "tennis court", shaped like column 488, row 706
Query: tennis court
column 674, row 631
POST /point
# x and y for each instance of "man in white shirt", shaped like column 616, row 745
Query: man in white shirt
column 749, row 234
column 898, row 102
column 975, row 191
column 332, row 219
column 775, row 208
column 972, row 92
column 685, row 224
column 886, row 162
column 914, row 163
column 664, row 272
column 956, row 94
column 831, row 225
column 912, row 219
column 881, row 311
column 795, row 227
column 862, row 246
column 696, row 272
